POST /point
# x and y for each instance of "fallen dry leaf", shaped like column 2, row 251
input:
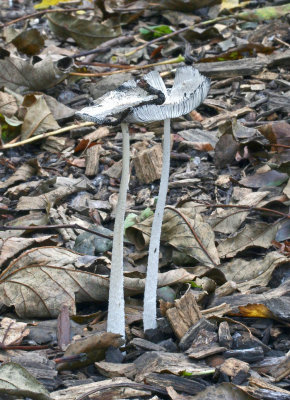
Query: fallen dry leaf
column 42, row 280
column 94, row 346
column 252, row 273
column 259, row 234
column 177, row 231
column 18, row 74
column 17, row 381
column 12, row 332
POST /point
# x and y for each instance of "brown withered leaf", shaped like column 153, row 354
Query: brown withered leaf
column 12, row 332
column 38, row 117
column 259, row 234
column 270, row 178
column 101, row 389
column 42, row 280
column 247, row 274
column 22, row 174
column 276, row 133
column 165, row 362
column 17, row 381
column 177, row 231
column 63, row 188
column 8, row 104
column 29, row 42
column 93, row 346
column 18, row 74
column 87, row 34
column 229, row 220
column 12, row 246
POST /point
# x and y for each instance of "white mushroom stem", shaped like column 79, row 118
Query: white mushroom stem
column 116, row 311
column 150, row 295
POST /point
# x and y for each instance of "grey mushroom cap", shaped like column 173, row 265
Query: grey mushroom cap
column 189, row 90
column 115, row 102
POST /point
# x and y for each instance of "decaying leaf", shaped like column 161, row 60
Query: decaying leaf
column 174, row 363
column 8, row 104
column 270, row 178
column 42, row 280
column 17, row 381
column 93, row 346
column 38, row 117
column 184, row 5
column 22, row 174
column 87, row 34
column 63, row 188
column 29, row 42
column 118, row 388
column 259, row 234
column 180, row 229
column 12, row 332
column 12, row 246
column 229, row 220
column 19, row 75
column 252, row 273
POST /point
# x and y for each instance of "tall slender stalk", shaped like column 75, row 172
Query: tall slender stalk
column 150, row 295
column 116, row 311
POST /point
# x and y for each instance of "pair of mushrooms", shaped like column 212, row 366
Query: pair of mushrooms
column 146, row 100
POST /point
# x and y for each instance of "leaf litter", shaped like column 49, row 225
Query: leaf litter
column 224, row 258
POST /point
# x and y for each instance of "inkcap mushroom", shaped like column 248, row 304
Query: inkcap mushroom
column 112, row 109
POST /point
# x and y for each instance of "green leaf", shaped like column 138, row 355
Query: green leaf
column 10, row 128
column 156, row 31
column 184, row 373
column 145, row 214
column 265, row 13
column 194, row 285
column 130, row 221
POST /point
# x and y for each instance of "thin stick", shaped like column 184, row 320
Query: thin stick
column 49, row 227
column 263, row 209
column 116, row 310
column 38, row 13
column 176, row 60
column 149, row 316
column 45, row 135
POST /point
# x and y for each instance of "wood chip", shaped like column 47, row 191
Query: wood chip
column 92, row 160
column 148, row 164
column 185, row 314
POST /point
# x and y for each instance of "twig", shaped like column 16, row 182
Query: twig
column 176, row 60
column 38, row 13
column 104, row 47
column 193, row 232
column 263, row 209
column 99, row 64
column 45, row 135
column 48, row 227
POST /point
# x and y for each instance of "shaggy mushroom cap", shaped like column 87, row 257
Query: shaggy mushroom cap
column 137, row 104
column 189, row 90
column 116, row 102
